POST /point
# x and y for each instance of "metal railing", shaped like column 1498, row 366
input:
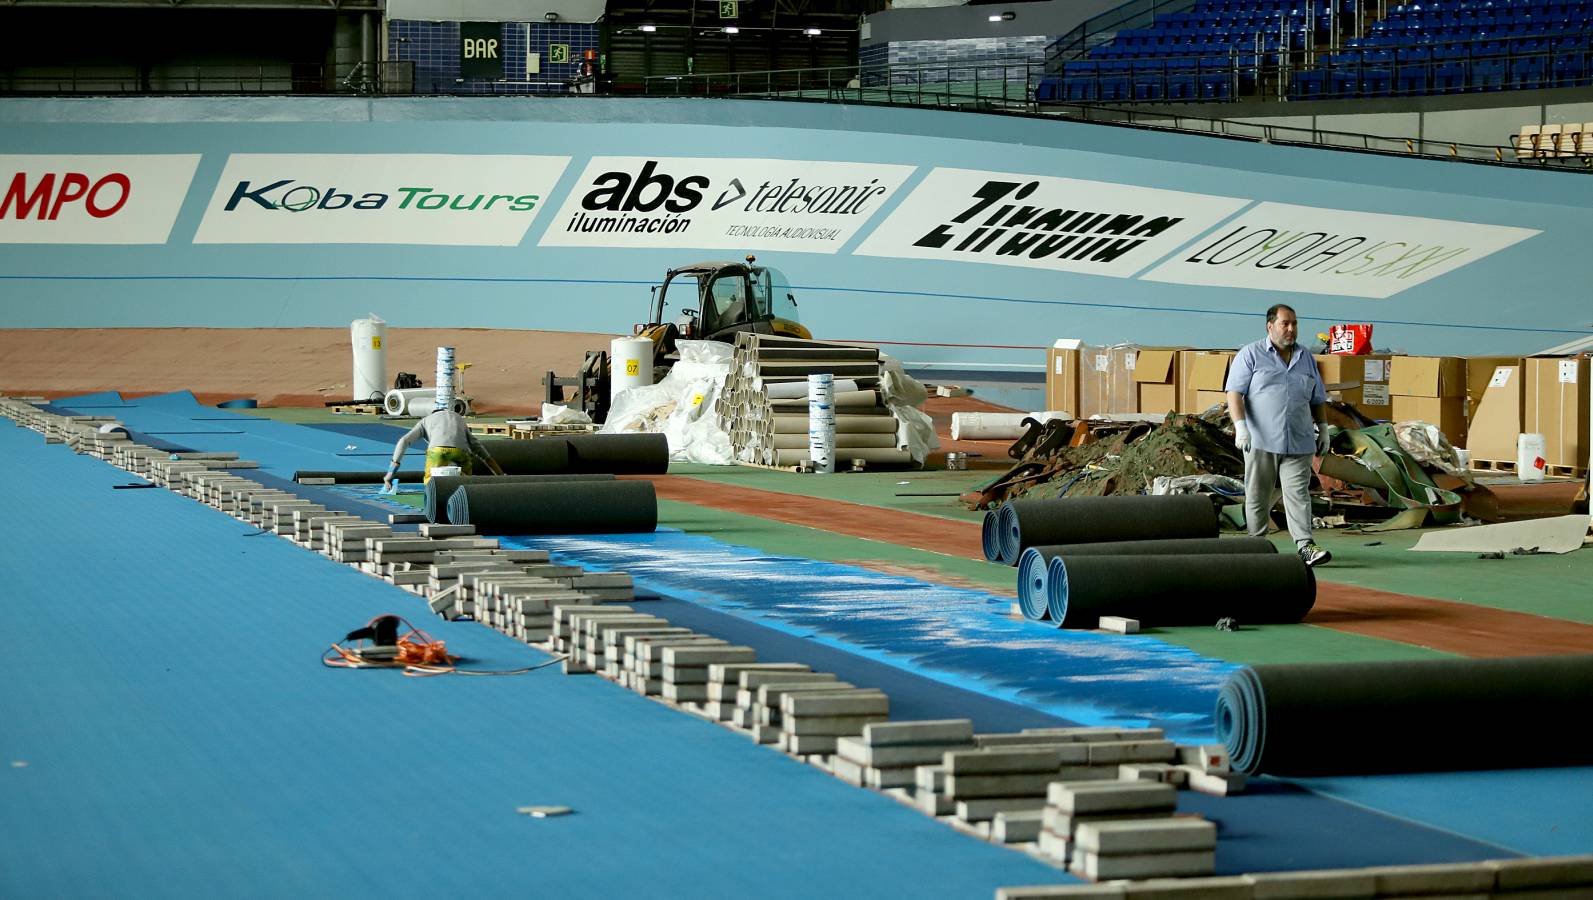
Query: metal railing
column 1097, row 30
column 984, row 84
column 390, row 77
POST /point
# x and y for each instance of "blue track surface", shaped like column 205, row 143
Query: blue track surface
column 169, row 732
column 963, row 657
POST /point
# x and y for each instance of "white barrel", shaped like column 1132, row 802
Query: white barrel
column 410, row 401
column 631, row 364
column 370, row 358
column 444, row 393
column 798, row 390
column 1530, row 461
column 993, row 426
column 821, row 422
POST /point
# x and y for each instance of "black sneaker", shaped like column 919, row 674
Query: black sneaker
column 1312, row 555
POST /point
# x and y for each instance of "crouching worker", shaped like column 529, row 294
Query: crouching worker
column 448, row 443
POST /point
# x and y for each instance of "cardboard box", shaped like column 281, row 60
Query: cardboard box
column 1556, row 406
column 1157, row 379
column 1497, row 424
column 1205, row 400
column 1427, row 376
column 1106, row 380
column 1448, row 413
column 1203, row 372
column 1062, row 375
column 1479, row 369
column 1361, row 381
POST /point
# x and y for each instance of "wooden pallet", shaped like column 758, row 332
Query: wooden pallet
column 1506, row 466
column 1567, row 471
column 1493, row 465
column 490, row 428
column 358, row 409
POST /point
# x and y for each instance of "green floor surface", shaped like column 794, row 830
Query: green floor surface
column 882, row 489
column 1249, row 646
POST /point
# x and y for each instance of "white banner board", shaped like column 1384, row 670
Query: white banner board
column 92, row 199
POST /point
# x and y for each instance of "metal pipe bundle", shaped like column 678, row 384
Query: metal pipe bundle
column 1086, row 520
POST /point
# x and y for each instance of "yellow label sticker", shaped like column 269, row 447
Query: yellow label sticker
column 633, row 367
column 696, row 399
column 376, row 342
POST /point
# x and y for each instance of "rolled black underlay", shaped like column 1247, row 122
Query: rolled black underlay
column 442, row 487
column 1406, row 716
column 612, row 454
column 563, row 507
column 1251, row 588
column 1088, row 520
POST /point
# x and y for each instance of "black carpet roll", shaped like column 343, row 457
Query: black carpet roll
column 1251, row 588
column 619, row 454
column 539, row 456
column 1034, row 579
column 442, row 487
column 409, row 475
column 1088, row 520
column 564, row 507
column 1406, row 716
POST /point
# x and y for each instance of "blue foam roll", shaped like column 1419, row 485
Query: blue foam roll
column 1008, row 541
column 1032, row 586
column 1242, row 719
column 245, row 403
column 990, row 534
column 1056, row 589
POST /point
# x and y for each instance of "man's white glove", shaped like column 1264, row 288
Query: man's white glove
column 1241, row 435
column 1322, row 445
column 387, row 480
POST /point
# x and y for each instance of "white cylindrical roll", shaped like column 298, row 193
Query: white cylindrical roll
column 798, row 390
column 370, row 358
column 631, row 363
column 843, row 442
column 821, row 422
column 410, row 401
column 994, row 426
column 444, row 395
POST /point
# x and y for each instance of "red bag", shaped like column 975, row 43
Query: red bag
column 1350, row 340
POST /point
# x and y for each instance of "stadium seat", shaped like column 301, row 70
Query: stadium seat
column 1527, row 141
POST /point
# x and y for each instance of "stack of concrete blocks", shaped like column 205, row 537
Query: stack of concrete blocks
column 1543, row 878
column 685, row 670
column 1206, row 768
column 886, row 755
column 643, row 662
column 758, row 700
column 724, row 682
column 521, row 606
column 812, row 721
column 613, row 638
column 1147, row 805
column 346, row 542
column 589, row 635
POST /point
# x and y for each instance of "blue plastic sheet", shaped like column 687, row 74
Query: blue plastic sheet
column 953, row 635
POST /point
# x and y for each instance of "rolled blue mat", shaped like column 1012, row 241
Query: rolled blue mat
column 1316, row 719
column 1033, row 596
column 1089, row 520
column 245, row 403
column 1251, row 588
column 990, row 534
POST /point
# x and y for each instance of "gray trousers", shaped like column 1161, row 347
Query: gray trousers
column 1263, row 471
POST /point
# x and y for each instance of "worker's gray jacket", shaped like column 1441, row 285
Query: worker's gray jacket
column 443, row 428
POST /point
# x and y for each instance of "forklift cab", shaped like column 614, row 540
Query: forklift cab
column 717, row 300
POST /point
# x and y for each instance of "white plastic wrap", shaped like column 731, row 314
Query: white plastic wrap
column 558, row 414
column 680, row 406
column 903, row 394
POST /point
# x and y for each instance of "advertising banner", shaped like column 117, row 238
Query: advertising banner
column 110, row 199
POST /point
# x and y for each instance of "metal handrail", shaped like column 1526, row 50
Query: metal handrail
column 385, row 77
column 961, row 83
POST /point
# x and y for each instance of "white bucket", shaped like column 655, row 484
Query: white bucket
column 992, row 426
column 370, row 358
column 1530, row 461
column 631, row 364
column 444, row 394
column 821, row 422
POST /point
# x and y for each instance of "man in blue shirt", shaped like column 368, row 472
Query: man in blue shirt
column 1277, row 400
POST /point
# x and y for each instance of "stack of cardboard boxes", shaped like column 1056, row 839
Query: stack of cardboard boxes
column 1485, row 402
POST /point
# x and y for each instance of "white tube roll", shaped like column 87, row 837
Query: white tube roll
column 631, row 364
column 798, row 390
column 821, row 422
column 410, row 401
column 369, row 337
column 444, row 394
column 993, row 426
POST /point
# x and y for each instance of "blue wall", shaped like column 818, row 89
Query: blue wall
column 434, row 48
column 1522, row 299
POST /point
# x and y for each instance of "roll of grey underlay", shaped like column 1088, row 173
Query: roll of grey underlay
column 843, row 399
column 844, row 424
column 781, row 353
column 441, row 487
column 872, row 455
column 566, row 507
column 1087, row 520
column 1174, row 547
column 817, row 367
column 846, row 441
column 780, row 340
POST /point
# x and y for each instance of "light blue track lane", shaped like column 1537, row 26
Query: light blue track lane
column 166, row 730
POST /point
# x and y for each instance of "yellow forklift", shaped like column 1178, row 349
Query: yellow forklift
column 715, row 301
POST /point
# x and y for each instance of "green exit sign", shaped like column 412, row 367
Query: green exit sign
column 558, row 53
column 728, row 9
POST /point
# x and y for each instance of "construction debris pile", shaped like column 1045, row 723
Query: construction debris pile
column 764, row 404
